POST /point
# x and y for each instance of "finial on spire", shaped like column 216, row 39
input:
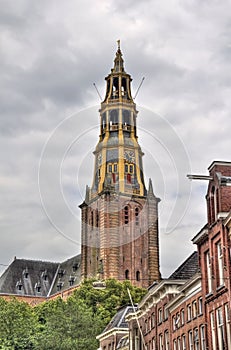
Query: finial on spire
column 118, row 61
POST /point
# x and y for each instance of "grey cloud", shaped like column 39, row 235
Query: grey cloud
column 52, row 53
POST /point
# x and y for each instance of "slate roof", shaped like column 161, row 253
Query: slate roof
column 68, row 275
column 28, row 277
column 40, row 278
column 187, row 269
column 118, row 321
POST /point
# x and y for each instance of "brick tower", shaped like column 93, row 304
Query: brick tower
column 119, row 216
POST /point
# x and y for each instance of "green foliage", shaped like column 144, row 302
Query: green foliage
column 17, row 325
column 64, row 325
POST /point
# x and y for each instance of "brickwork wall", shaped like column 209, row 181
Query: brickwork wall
column 123, row 249
column 218, row 195
column 188, row 317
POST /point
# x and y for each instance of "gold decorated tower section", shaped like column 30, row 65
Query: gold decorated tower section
column 119, row 215
column 118, row 156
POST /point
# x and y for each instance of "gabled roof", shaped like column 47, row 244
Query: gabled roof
column 68, row 275
column 40, row 278
column 187, row 269
column 118, row 321
column 28, row 277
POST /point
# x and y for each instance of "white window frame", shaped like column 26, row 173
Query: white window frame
column 153, row 343
column 190, row 340
column 184, row 345
column 177, row 321
column 202, row 337
column 189, row 312
column 165, row 311
column 194, row 309
column 220, row 264
column 200, row 306
column 209, row 272
column 182, row 313
column 161, row 344
column 196, row 339
column 166, row 340
column 220, row 329
column 160, row 315
column 212, row 325
column 174, row 323
column 227, row 322
column 178, row 344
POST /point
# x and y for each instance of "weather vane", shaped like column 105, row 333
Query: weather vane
column 118, row 42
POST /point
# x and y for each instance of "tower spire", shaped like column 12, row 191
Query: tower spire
column 119, row 216
column 118, row 61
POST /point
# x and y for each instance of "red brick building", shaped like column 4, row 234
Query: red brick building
column 191, row 309
column 213, row 243
column 170, row 311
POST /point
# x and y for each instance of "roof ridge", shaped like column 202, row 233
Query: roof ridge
column 35, row 260
column 183, row 264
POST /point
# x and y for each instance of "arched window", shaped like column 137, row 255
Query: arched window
column 127, row 274
column 115, row 87
column 138, row 275
column 124, row 87
column 137, row 216
column 114, row 117
column 96, row 218
column 126, row 214
column 91, row 221
column 104, row 121
column 126, row 117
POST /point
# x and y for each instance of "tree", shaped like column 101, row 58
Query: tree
column 64, row 325
column 67, row 325
column 17, row 325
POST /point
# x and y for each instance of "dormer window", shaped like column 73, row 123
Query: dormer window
column 44, row 275
column 59, row 285
column 75, row 266
column 19, row 285
column 25, row 273
column 61, row 273
column 38, row 287
column 71, row 280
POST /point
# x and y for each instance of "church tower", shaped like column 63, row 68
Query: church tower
column 119, row 215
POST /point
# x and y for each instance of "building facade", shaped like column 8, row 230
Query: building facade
column 119, row 215
column 191, row 310
column 35, row 281
column 213, row 243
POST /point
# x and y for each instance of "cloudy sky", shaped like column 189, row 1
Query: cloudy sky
column 51, row 53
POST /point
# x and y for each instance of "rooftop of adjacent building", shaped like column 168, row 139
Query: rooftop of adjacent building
column 40, row 278
column 118, row 322
column 187, row 269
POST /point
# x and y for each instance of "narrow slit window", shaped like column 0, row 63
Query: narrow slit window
column 126, row 214
column 137, row 216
